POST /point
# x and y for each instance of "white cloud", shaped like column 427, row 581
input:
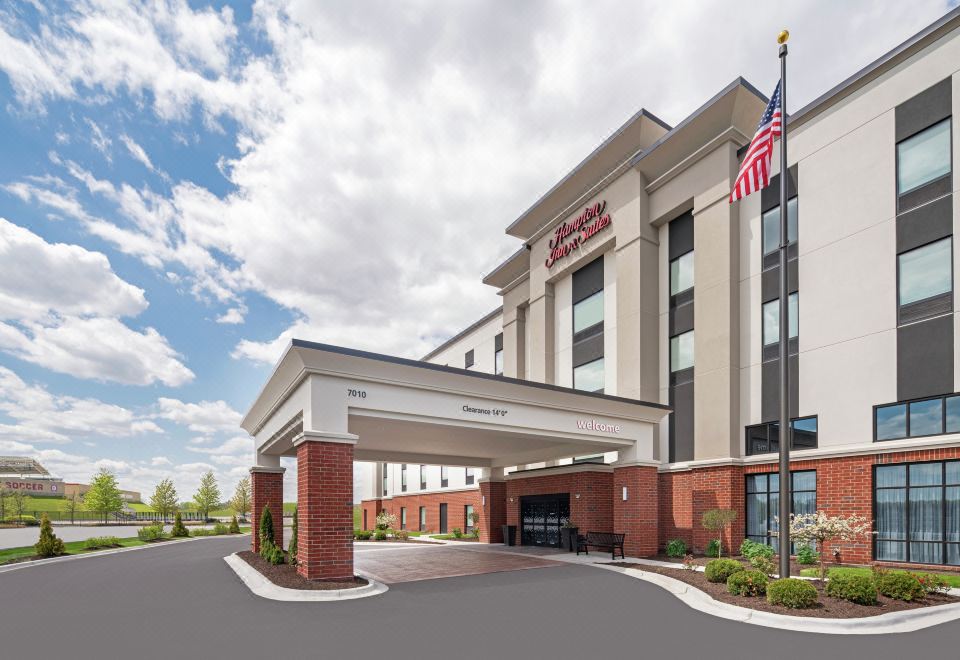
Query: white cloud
column 137, row 151
column 203, row 417
column 99, row 140
column 234, row 315
column 60, row 307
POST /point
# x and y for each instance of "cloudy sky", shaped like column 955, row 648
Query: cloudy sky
column 184, row 186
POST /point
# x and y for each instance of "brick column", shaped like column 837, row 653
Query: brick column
column 637, row 516
column 493, row 511
column 325, row 510
column 267, row 486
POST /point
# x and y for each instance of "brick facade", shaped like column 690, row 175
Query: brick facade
column 266, row 490
column 456, row 501
column 369, row 510
column 493, row 511
column 592, row 511
column 325, row 510
column 638, row 516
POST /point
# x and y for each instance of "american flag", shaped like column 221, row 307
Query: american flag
column 754, row 174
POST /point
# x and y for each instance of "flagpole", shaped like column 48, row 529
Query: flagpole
column 785, row 430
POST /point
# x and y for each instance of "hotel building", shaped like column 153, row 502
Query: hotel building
column 640, row 299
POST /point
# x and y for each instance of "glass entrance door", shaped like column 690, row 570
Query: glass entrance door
column 541, row 517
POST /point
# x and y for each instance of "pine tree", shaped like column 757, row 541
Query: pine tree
column 178, row 527
column 292, row 547
column 48, row 545
column 266, row 526
column 234, row 526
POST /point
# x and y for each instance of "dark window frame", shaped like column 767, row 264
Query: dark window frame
column 747, row 450
column 685, row 295
column 468, row 476
column 422, row 518
column 403, row 517
column 423, row 477
column 746, row 521
column 906, row 402
column 904, row 317
column 444, row 480
column 468, row 359
column 467, row 523
column 906, row 503
column 896, row 171
column 770, row 260
column 574, row 374
column 403, row 477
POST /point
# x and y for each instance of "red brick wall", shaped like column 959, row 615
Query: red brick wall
column 638, row 516
column 325, row 510
column 370, row 509
column 675, row 495
column 493, row 514
column 455, row 500
column 267, row 489
column 720, row 487
column 593, row 511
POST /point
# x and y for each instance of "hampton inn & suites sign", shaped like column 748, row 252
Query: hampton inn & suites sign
column 568, row 236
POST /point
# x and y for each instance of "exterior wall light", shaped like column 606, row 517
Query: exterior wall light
column 483, row 500
column 624, row 493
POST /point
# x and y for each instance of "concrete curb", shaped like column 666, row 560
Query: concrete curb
column 264, row 588
column 882, row 624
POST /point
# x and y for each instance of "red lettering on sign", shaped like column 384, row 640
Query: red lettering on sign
column 579, row 230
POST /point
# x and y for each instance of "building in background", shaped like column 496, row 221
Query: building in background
column 81, row 490
column 19, row 473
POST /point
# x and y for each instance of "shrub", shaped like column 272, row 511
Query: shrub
column 475, row 532
column 806, row 555
column 179, row 530
column 933, row 583
column 401, row 535
column 96, row 542
column 294, row 533
column 200, row 531
column 858, row 589
column 271, row 553
column 713, row 548
column 362, row 535
column 28, row 521
column 385, row 520
column 380, row 535
column 689, row 562
column 48, row 545
column 457, row 533
column 676, row 548
column 719, row 570
column 220, row 529
column 750, row 549
column 899, row 586
column 150, row 533
column 234, row 526
column 764, row 564
column 792, row 592
column 747, row 583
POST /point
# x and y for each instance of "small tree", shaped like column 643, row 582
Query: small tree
column 74, row 504
column 266, row 527
column 48, row 545
column 234, row 526
column 19, row 500
column 386, row 520
column 716, row 520
column 820, row 528
column 241, row 498
column 179, row 529
column 292, row 547
column 104, row 494
column 4, row 503
column 164, row 499
column 208, row 495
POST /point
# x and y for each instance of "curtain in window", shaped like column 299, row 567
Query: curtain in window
column 926, row 524
column 891, row 524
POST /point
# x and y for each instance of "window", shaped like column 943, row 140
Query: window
column 681, row 352
column 468, row 517
column 403, row 517
column 498, row 354
column 385, row 479
column 765, row 438
column 923, row 157
column 771, row 227
column 589, row 376
column 423, row 519
column 763, row 502
column 917, row 512
column 588, row 312
column 444, row 476
column 468, row 476
column 918, row 418
column 468, row 359
column 403, row 478
column 681, row 274
column 925, row 273
column 423, row 477
column 593, row 458
column 771, row 319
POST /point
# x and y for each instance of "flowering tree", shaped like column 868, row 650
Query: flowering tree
column 820, row 528
column 386, row 520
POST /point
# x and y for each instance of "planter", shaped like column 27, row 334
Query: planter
column 509, row 534
column 568, row 538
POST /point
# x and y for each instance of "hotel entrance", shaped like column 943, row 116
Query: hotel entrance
column 541, row 517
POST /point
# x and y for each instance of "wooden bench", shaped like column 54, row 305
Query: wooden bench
column 603, row 541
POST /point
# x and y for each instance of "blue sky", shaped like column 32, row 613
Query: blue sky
column 186, row 186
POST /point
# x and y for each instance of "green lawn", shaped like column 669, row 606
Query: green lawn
column 953, row 579
column 73, row 548
column 451, row 537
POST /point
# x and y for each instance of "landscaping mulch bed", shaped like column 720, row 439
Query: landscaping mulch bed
column 701, row 560
column 828, row 608
column 285, row 575
column 408, row 542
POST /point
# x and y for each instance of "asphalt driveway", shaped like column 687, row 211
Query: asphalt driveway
column 183, row 601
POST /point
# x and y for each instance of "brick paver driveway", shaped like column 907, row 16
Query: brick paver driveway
column 392, row 563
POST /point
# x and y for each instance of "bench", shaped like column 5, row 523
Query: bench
column 603, row 541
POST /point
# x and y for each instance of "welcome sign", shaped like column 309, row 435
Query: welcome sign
column 579, row 230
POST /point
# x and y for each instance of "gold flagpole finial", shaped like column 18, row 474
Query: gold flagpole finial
column 783, row 36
